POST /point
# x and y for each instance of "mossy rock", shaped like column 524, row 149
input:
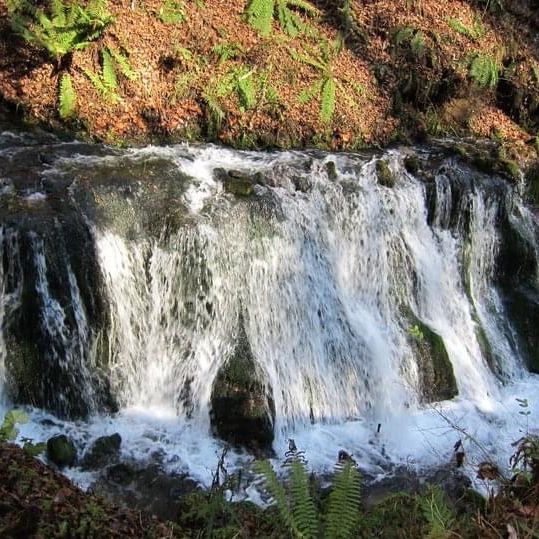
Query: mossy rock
column 436, row 371
column 61, row 451
column 331, row 169
column 384, row 174
column 411, row 164
column 532, row 184
column 242, row 410
column 104, row 451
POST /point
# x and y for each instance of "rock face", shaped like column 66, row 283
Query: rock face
column 242, row 408
column 436, row 371
column 61, row 451
column 105, row 450
column 237, row 182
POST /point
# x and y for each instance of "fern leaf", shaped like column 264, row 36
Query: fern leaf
column 247, row 91
column 275, row 490
column 67, row 98
column 484, row 71
column 303, row 509
column 109, row 73
column 328, row 100
column 343, row 507
column 260, row 15
column 307, row 7
column 417, row 44
column 437, row 513
column 58, row 11
column 404, row 34
column 307, row 95
column 124, row 64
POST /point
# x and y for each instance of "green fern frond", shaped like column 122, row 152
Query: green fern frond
column 437, row 513
column 259, row 14
column 275, row 490
column 312, row 91
column 172, row 12
column 101, row 87
column 308, row 8
column 484, row 71
column 246, row 91
column 67, row 97
column 303, row 509
column 291, row 24
column 109, row 72
column 403, row 35
column 343, row 509
column 417, row 44
column 328, row 99
column 123, row 63
column 58, row 11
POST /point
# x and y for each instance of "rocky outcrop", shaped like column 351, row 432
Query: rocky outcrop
column 437, row 378
column 242, row 410
column 104, row 451
column 61, row 451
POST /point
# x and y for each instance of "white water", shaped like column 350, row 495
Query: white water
column 319, row 280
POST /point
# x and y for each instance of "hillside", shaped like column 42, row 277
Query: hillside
column 331, row 74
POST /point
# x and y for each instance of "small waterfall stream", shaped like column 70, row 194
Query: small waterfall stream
column 336, row 283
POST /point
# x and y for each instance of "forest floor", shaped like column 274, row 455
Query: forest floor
column 403, row 70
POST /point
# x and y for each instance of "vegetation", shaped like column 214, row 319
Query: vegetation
column 172, row 12
column 484, row 70
column 260, row 14
column 65, row 28
column 67, row 97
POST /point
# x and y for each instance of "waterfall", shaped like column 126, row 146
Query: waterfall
column 336, row 282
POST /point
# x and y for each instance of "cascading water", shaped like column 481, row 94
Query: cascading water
column 349, row 294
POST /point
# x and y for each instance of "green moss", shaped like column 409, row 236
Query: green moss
column 384, row 174
column 411, row 164
column 510, row 168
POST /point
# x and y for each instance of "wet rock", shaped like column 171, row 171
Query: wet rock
column 411, row 164
column 242, row 410
column 237, row 182
column 145, row 488
column 436, row 371
column 384, row 174
column 532, row 183
column 105, row 450
column 61, row 451
column 331, row 170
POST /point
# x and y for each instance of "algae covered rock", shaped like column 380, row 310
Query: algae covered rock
column 242, row 410
column 384, row 174
column 437, row 378
column 237, row 182
column 105, row 450
column 61, row 451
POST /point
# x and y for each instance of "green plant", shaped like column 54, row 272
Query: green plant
column 416, row 333
column 8, row 430
column 106, row 82
column 327, row 85
column 439, row 516
column 67, row 98
column 474, row 33
column 297, row 508
column 260, row 14
column 535, row 70
column 172, row 12
column 65, row 28
column 226, row 51
column 413, row 37
column 484, row 71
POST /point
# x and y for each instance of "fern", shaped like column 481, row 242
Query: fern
column 276, row 491
column 123, row 64
column 484, row 71
column 437, row 513
column 109, row 72
column 417, row 44
column 403, row 35
column 67, row 97
column 343, row 510
column 66, row 27
column 474, row 33
column 535, row 70
column 260, row 15
column 8, row 430
column 246, row 91
column 296, row 506
column 328, row 100
column 172, row 12
column 303, row 509
column 226, row 51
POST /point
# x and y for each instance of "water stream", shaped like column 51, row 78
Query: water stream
column 134, row 273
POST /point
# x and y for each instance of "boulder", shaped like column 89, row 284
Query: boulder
column 242, row 410
column 437, row 378
column 105, row 450
column 237, row 182
column 384, row 174
column 61, row 451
